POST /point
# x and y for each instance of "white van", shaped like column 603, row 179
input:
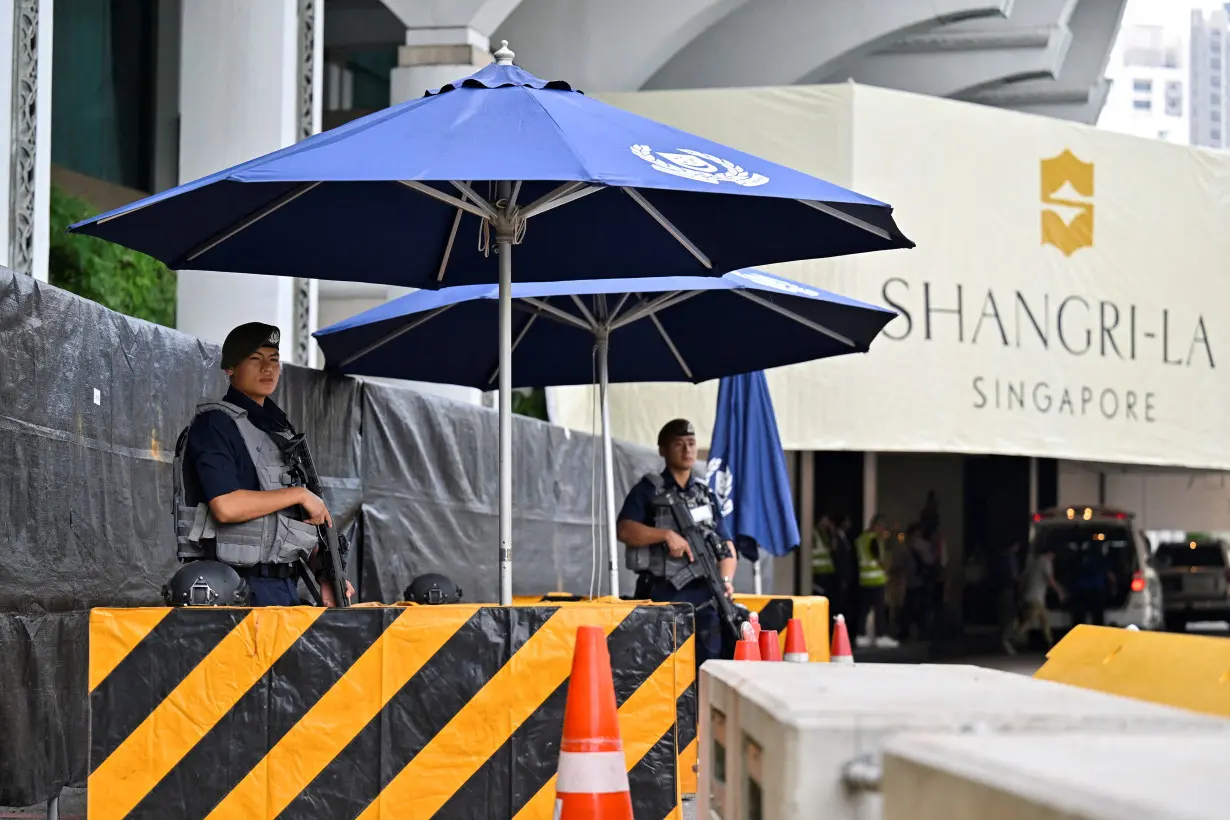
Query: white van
column 1089, row 535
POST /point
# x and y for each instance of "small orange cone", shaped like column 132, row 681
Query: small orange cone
column 747, row 651
column 770, row 648
column 841, row 652
column 796, row 642
column 593, row 777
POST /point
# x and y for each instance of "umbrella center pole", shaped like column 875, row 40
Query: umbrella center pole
column 602, row 337
column 505, row 233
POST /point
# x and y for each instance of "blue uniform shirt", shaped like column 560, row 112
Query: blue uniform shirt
column 216, row 460
column 637, row 505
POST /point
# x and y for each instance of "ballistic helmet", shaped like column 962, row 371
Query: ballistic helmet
column 206, row 583
column 432, row 588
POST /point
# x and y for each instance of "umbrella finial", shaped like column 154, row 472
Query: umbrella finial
column 505, row 55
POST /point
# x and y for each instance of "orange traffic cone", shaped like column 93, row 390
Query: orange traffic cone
column 770, row 648
column 747, row 651
column 840, row 652
column 593, row 775
column 796, row 642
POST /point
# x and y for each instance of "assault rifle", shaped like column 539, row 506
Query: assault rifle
column 303, row 469
column 707, row 550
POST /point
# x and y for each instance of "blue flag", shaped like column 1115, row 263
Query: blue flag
column 747, row 467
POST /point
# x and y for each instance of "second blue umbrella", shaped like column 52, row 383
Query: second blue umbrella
column 666, row 329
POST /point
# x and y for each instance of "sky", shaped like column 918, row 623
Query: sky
column 1162, row 12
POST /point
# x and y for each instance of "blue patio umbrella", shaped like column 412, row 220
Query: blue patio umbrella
column 672, row 329
column 747, row 468
column 424, row 193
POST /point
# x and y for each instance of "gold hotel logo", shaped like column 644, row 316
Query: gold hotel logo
column 1067, row 207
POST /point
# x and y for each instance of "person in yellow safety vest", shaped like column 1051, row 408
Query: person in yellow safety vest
column 870, row 546
column 833, row 567
column 822, row 567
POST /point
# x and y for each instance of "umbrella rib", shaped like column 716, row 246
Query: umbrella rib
column 585, row 312
column 825, row 208
column 789, row 314
column 448, row 248
column 466, row 190
column 666, row 338
column 448, row 199
column 555, row 313
column 646, row 308
column 619, row 307
column 551, row 200
column 516, row 341
column 566, row 188
column 218, row 238
column 390, row 336
column 639, row 199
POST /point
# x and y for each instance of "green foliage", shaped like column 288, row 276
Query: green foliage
column 112, row 275
column 532, row 403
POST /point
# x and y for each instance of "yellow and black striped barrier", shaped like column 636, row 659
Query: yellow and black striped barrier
column 371, row 712
column 776, row 610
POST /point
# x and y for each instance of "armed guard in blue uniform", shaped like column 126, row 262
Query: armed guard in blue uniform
column 234, row 500
column 656, row 551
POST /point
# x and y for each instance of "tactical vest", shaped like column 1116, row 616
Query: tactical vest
column 870, row 572
column 821, row 556
column 272, row 539
column 656, row 559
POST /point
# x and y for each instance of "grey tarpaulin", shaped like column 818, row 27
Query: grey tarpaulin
column 431, row 498
column 44, row 711
column 91, row 403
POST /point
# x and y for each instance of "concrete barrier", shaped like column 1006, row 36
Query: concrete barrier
column 793, row 741
column 1092, row 776
column 1188, row 671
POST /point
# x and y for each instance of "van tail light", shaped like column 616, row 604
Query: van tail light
column 1138, row 581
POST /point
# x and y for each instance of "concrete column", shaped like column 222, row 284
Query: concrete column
column 1033, row 485
column 870, row 483
column 807, row 518
column 249, row 84
column 433, row 57
column 166, row 93
column 25, row 123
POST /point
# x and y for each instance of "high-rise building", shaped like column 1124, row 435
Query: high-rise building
column 1210, row 77
column 1149, row 96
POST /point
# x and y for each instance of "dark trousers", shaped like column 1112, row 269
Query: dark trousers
column 871, row 599
column 1088, row 606
column 916, row 611
column 272, row 591
column 708, row 625
column 831, row 587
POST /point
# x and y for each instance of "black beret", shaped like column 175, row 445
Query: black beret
column 245, row 340
column 674, row 428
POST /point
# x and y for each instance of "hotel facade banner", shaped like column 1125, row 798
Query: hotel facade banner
column 1066, row 299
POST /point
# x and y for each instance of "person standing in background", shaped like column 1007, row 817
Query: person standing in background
column 823, row 569
column 1039, row 577
column 872, row 578
column 1005, row 578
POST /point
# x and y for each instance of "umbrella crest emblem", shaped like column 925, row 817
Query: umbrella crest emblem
column 699, row 167
column 723, row 484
